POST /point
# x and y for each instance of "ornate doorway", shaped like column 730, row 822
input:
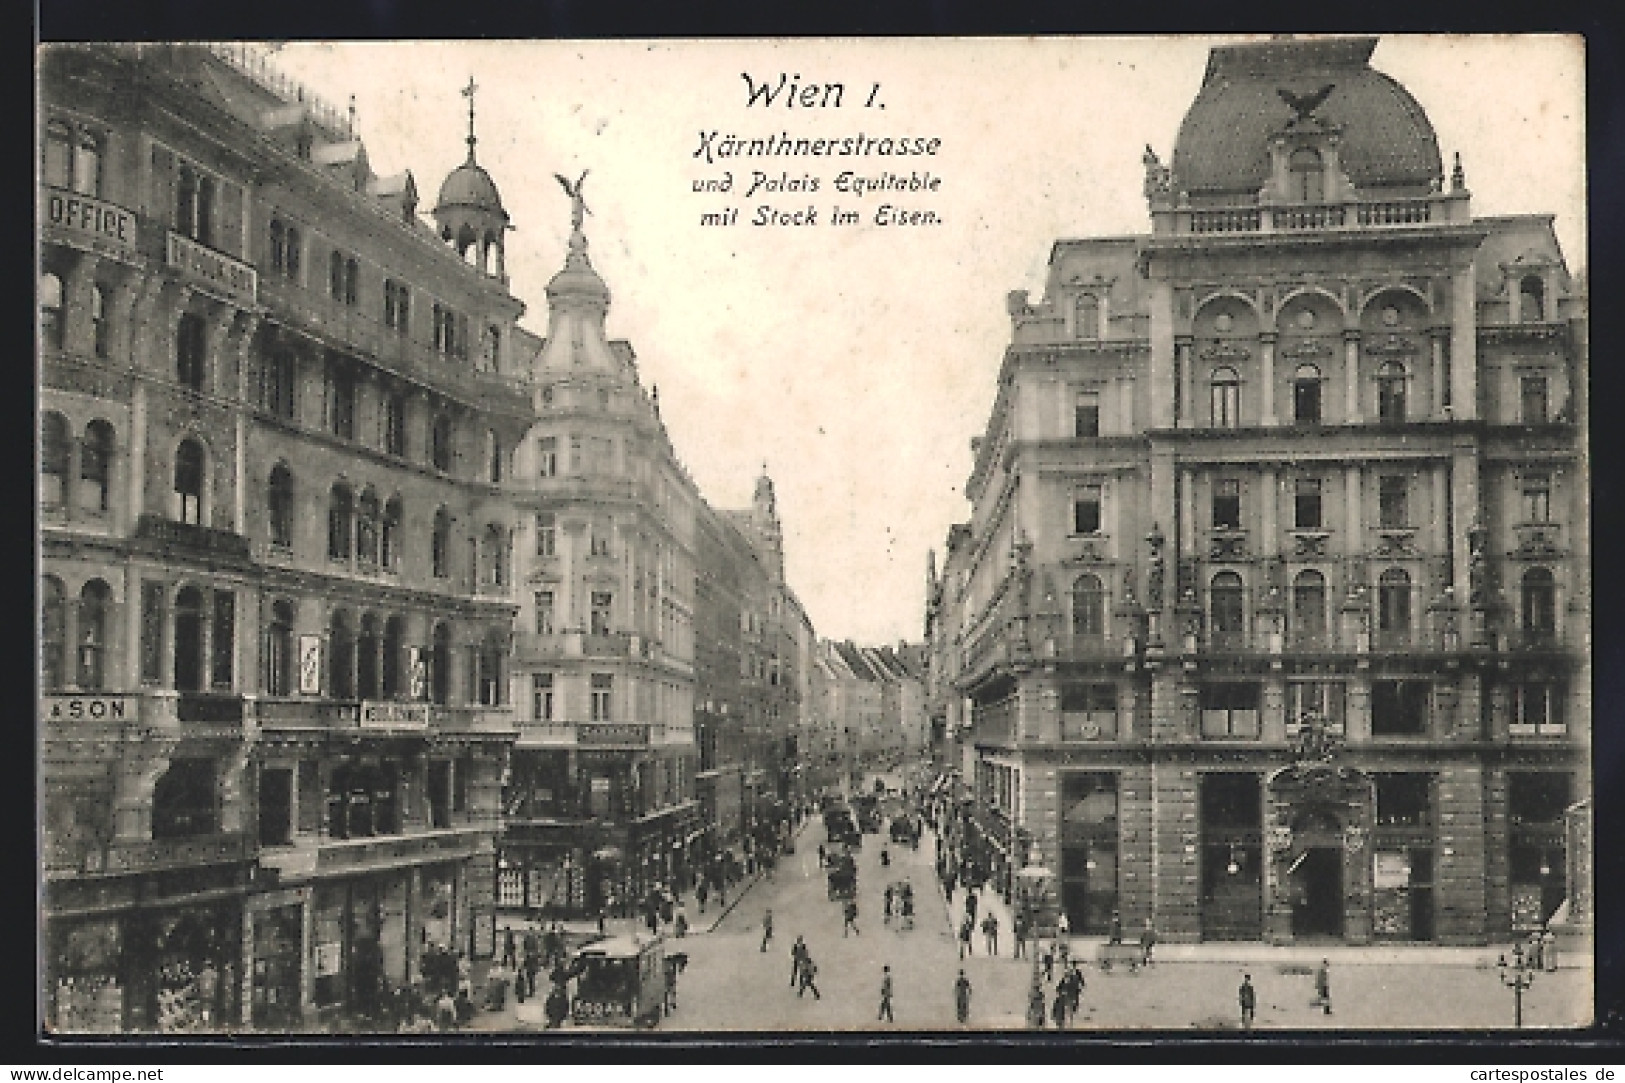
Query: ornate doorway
column 1315, row 876
column 1317, row 823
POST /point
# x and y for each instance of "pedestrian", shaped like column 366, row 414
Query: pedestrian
column 1148, row 941
column 532, row 945
column 970, row 900
column 510, row 949
column 1058, row 1009
column 820, row 855
column 966, row 929
column 885, row 996
column 533, row 966
column 1074, row 989
column 767, row 928
column 557, row 1007
column 798, row 958
column 850, row 915
column 886, row 916
column 702, row 893
column 1020, row 931
column 809, row 971
column 1117, row 927
column 990, row 933
column 1049, row 963
column 1323, row 987
column 1247, row 997
column 962, row 998
column 908, row 911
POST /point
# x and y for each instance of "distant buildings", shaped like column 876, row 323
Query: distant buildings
column 874, row 704
column 1271, row 617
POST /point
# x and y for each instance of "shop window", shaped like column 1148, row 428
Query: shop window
column 1308, row 177
column 276, row 806
column 394, row 646
column 279, row 659
column 98, row 319
column 1534, row 401
column 96, row 467
column 602, row 602
column 1538, row 594
column 279, row 505
column 184, row 803
column 395, row 425
column 1309, row 608
column 544, row 612
column 1086, row 416
column 1227, row 504
column 1306, row 504
column 1393, row 493
column 390, row 541
column 546, row 534
column 55, row 452
column 189, row 618
column 340, row 521
column 440, row 545
column 1086, row 510
column 53, row 633
column 1088, row 607
column 1536, row 802
column 1306, row 395
column 1399, row 708
column 440, row 447
column 1227, row 608
column 1537, row 710
column 189, row 482
column 1225, row 398
column 153, row 598
column 1229, row 709
column 1537, row 499
column 191, row 335
column 541, row 693
column 603, row 685
column 223, row 640
column 1088, row 842
column 1404, row 800
column 1232, row 855
column 1391, row 392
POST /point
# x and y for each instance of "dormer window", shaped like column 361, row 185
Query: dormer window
column 1532, row 299
column 1086, row 316
column 1308, row 175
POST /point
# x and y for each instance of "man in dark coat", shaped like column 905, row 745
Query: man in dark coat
column 767, row 928
column 557, row 1008
column 798, row 958
column 809, row 971
column 885, row 996
column 967, row 929
column 1247, row 997
column 850, row 918
column 1323, row 986
column 962, row 999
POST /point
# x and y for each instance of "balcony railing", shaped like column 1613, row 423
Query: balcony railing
column 432, row 845
column 191, row 538
column 1288, row 217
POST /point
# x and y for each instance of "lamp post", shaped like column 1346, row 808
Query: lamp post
column 1519, row 976
column 1033, row 878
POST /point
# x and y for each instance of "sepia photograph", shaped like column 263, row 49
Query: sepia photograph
column 928, row 535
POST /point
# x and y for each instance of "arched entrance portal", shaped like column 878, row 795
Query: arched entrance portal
column 1318, row 823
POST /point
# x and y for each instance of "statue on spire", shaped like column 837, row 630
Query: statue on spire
column 468, row 92
column 578, row 207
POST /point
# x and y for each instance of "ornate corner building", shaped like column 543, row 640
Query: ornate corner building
column 364, row 612
column 1271, row 618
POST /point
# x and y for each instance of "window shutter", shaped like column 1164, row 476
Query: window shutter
column 162, row 204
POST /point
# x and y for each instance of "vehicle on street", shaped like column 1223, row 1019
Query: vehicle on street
column 620, row 982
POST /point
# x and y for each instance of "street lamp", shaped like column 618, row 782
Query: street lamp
column 1519, row 976
column 1033, row 877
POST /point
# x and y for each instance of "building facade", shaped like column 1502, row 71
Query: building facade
column 1272, row 612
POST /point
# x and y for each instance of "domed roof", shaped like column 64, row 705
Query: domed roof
column 1223, row 146
column 469, row 185
column 578, row 279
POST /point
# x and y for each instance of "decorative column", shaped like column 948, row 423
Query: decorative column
column 1162, row 356
column 1463, row 346
column 1266, row 346
column 1187, row 383
column 1351, row 377
column 1436, row 383
column 1353, row 525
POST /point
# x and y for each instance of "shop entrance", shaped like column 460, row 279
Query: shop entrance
column 1317, row 893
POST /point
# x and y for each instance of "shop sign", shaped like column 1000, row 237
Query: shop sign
column 231, row 276
column 390, row 715
column 106, row 227
column 616, row 734
column 92, row 708
column 1393, row 870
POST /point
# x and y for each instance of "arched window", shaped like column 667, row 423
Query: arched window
column 1225, row 398
column 55, row 448
column 1306, row 395
column 340, row 519
column 496, row 556
column 394, row 645
column 98, row 319
column 1539, row 592
column 367, row 658
column 278, row 246
column 335, row 275
column 1088, row 607
column 93, row 603
column 390, row 556
column 96, row 467
column 279, row 651
column 280, row 505
column 58, row 170
column 1532, row 299
column 440, row 545
column 440, row 443
column 1308, row 175
column 190, row 346
column 295, row 252
column 50, row 311
column 1226, row 609
column 1391, row 392
column 1394, row 607
column 53, row 633
column 189, row 640
column 341, row 657
column 1086, row 316
column 87, row 164
column 1309, row 607
column 366, row 528
column 352, row 280
column 440, row 665
column 189, row 482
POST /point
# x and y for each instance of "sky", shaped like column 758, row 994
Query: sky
column 857, row 361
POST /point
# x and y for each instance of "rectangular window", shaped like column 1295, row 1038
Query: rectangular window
column 277, row 385
column 544, row 612
column 276, row 806
column 1226, row 404
column 1534, row 402
column 1088, row 711
column 603, row 685
column 1537, row 499
column 600, row 613
column 1227, row 504
column 1086, row 516
column 340, row 402
column 541, row 695
column 1229, row 710
column 439, row 787
column 152, row 631
column 1306, row 504
column 1321, row 699
column 1537, row 710
column 223, row 646
column 547, row 534
column 1399, row 708
column 598, row 544
column 547, row 456
column 1404, row 800
column 462, row 783
column 395, row 425
column 1391, row 502
column 1086, row 416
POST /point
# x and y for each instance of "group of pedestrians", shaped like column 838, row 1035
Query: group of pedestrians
column 1247, row 994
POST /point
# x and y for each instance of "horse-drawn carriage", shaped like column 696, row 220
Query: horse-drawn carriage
column 843, row 877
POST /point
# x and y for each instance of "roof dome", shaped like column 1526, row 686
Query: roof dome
column 469, row 185
column 578, row 279
column 1223, row 147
